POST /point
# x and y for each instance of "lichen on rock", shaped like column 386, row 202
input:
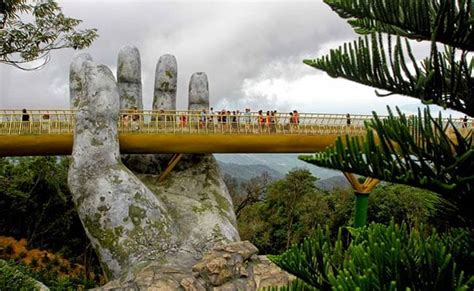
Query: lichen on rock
column 131, row 219
column 166, row 78
column 75, row 78
column 129, row 80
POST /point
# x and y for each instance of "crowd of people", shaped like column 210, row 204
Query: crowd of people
column 224, row 119
column 227, row 120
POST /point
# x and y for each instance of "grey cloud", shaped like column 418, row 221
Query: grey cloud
column 231, row 42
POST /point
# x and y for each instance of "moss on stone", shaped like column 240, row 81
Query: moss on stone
column 116, row 180
column 204, row 206
column 222, row 203
column 103, row 208
column 136, row 214
column 164, row 86
column 96, row 142
column 107, row 238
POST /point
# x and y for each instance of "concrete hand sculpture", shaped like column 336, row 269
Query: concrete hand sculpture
column 130, row 217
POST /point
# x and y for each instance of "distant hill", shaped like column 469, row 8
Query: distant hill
column 245, row 167
column 277, row 165
column 246, row 172
column 336, row 182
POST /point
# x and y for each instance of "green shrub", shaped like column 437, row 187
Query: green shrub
column 383, row 257
column 11, row 275
column 21, row 277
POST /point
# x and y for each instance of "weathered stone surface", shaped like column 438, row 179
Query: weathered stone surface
column 166, row 78
column 75, row 71
column 199, row 204
column 125, row 221
column 130, row 226
column 268, row 274
column 230, row 267
column 224, row 264
column 198, row 92
column 129, row 78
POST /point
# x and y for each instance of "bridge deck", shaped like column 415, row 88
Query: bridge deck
column 51, row 132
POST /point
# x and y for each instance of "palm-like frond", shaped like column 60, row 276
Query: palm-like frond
column 446, row 78
column 419, row 151
column 445, row 21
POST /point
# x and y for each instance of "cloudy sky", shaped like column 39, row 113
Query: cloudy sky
column 251, row 51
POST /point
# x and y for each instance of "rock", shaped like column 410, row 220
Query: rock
column 198, row 92
column 226, row 263
column 223, row 268
column 166, row 78
column 125, row 221
column 129, row 78
column 268, row 274
column 75, row 71
column 132, row 219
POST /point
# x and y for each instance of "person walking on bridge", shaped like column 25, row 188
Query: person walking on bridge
column 260, row 120
column 25, row 120
column 25, row 116
column 203, row 119
column 247, row 119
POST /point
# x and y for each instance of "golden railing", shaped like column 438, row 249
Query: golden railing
column 34, row 122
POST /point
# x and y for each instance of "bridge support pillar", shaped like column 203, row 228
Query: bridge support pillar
column 171, row 164
column 362, row 191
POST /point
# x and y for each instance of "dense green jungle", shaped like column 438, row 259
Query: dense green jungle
column 37, row 213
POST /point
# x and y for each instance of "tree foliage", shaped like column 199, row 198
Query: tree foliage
column 290, row 213
column 380, row 257
column 22, row 41
column 35, row 204
column 445, row 77
column 418, row 151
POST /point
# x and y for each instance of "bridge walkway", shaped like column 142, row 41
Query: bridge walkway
column 50, row 132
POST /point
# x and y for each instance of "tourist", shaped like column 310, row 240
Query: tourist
column 464, row 122
column 267, row 121
column 296, row 117
column 161, row 119
column 273, row 121
column 45, row 123
column 125, row 120
column 348, row 119
column 291, row 122
column 228, row 121
column 135, row 116
column 203, row 118
column 260, row 120
column 135, row 119
column 25, row 116
column 182, row 120
column 234, row 121
column 211, row 117
column 247, row 119
column 239, row 120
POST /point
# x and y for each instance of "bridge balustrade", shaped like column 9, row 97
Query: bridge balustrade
column 189, row 122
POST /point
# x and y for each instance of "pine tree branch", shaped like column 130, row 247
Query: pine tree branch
column 412, row 19
column 419, row 151
column 445, row 78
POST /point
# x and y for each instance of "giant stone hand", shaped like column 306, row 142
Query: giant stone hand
column 130, row 217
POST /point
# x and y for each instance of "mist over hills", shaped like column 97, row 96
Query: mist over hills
column 246, row 166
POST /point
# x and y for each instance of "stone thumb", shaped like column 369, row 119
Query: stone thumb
column 96, row 132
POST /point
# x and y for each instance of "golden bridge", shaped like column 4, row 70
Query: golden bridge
column 50, row 132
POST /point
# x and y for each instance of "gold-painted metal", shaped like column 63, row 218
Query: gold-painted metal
column 50, row 132
column 172, row 163
column 361, row 188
